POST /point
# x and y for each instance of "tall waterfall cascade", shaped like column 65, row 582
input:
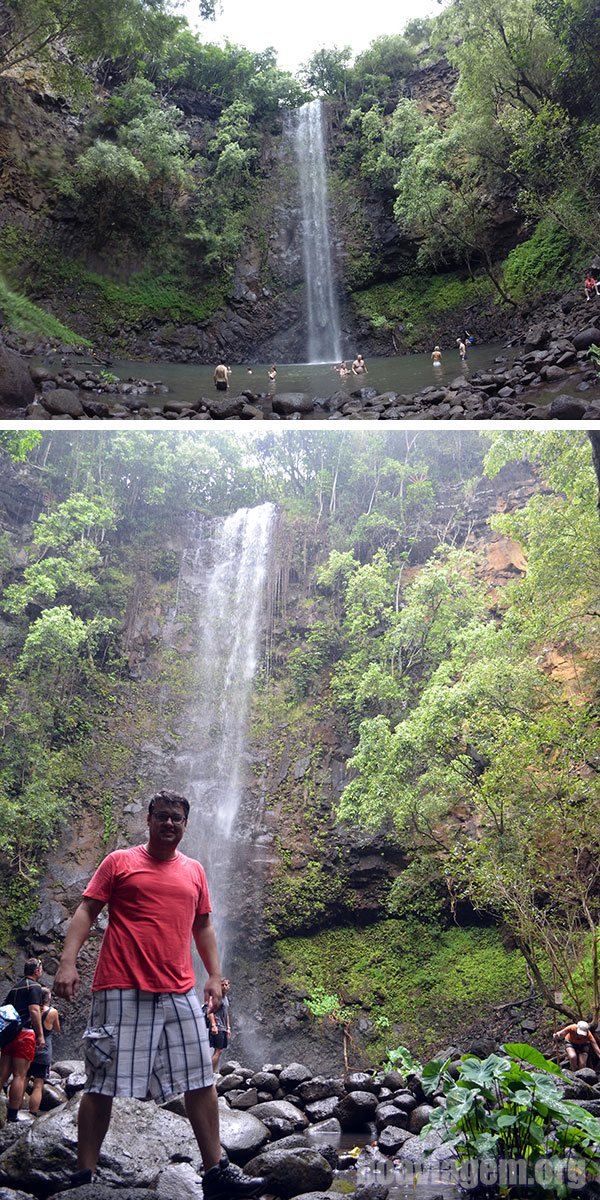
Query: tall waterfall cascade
column 323, row 317
column 221, row 596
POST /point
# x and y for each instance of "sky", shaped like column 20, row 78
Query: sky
column 297, row 30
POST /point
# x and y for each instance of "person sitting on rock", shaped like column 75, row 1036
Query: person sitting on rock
column 590, row 286
column 578, row 1039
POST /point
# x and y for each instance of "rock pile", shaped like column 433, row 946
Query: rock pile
column 280, row 1122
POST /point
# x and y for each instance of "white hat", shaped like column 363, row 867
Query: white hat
column 582, row 1028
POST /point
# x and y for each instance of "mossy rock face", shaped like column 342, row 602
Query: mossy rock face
column 416, row 308
column 416, row 983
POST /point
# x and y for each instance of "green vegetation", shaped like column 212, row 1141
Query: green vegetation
column 22, row 314
column 425, row 980
column 416, row 302
column 498, row 1110
column 544, row 263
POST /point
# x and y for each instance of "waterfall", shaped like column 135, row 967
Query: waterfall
column 324, row 335
column 221, row 597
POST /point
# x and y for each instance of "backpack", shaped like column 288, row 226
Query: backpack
column 10, row 1024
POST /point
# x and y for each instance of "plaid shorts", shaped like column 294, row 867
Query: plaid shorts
column 146, row 1044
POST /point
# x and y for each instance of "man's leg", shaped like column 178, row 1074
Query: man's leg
column 202, row 1109
column 571, row 1055
column 5, row 1069
column 20, row 1067
column 92, row 1126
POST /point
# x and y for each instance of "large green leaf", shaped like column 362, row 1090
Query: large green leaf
column 529, row 1054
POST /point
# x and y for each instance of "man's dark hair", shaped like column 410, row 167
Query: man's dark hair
column 31, row 966
column 169, row 798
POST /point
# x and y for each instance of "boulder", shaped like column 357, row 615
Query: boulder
column 242, row 1133
column 289, row 403
column 563, row 407
column 419, row 1117
column 292, row 1172
column 16, row 385
column 280, row 1110
column 392, row 1138
column 140, row 1142
column 322, row 1110
column 319, row 1088
column 264, row 1081
column 538, row 336
column 221, row 409
column 356, row 1109
column 178, row 1179
column 63, row 403
column 388, row 1114
column 587, row 337
column 361, row 1081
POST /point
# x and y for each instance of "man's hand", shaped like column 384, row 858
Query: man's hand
column 66, row 982
column 212, row 992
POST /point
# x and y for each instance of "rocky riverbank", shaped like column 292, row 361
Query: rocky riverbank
column 550, row 376
column 281, row 1122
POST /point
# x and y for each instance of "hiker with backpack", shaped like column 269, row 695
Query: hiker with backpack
column 19, row 1053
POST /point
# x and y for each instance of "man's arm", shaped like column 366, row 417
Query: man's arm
column 66, row 980
column 206, row 944
column 35, row 1013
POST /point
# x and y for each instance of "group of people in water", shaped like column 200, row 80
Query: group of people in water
column 222, row 373
column 463, row 345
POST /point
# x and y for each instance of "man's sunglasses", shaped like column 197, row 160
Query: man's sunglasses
column 163, row 817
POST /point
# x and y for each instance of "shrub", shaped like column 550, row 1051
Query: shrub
column 544, row 263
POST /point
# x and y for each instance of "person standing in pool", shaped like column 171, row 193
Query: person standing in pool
column 436, row 356
column 221, row 377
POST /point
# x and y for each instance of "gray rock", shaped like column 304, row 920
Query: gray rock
column 563, row 407
column 292, row 1172
column 392, row 1138
column 538, row 336
column 330, row 1128
column 289, row 403
column 321, row 1110
column 419, row 1117
column 16, row 385
column 180, row 1180
column 265, row 1082
column 414, row 1147
column 62, row 403
column 586, row 337
column 319, row 1088
column 280, row 1110
column 139, row 1144
column 243, row 1099
column 293, row 1075
column 356, row 1109
column 242, row 1133
column 389, row 1114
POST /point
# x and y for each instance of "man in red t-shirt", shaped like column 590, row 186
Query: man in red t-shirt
column 147, row 1033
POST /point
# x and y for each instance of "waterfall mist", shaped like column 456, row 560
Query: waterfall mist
column 323, row 318
column 221, row 595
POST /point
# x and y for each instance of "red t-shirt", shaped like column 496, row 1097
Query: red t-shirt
column 152, row 906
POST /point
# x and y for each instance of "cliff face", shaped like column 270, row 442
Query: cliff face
column 262, row 316
column 295, row 870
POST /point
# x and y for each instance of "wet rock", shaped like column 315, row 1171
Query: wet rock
column 419, row 1117
column 61, row 403
column 137, row 1146
column 322, row 1110
column 281, row 1110
column 290, row 403
column 356, row 1109
column 16, row 385
column 320, row 1088
column 563, row 407
column 392, row 1137
column 242, row 1133
column 293, row 1075
column 586, row 338
column 292, row 1172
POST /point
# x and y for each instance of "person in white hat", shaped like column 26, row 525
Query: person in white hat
column 578, row 1039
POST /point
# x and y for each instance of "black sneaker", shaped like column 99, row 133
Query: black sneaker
column 227, row 1182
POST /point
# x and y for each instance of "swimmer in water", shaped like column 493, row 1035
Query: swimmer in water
column 436, row 356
